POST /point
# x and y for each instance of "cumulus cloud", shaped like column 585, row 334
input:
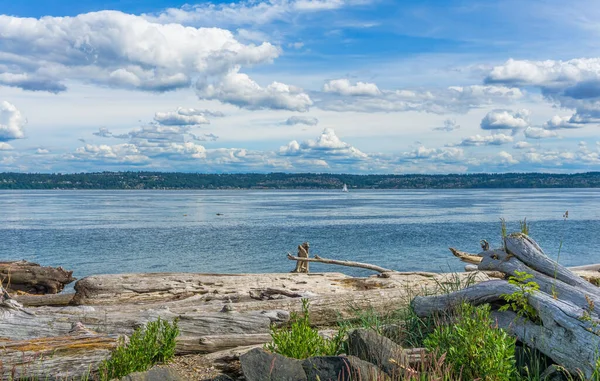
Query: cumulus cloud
column 506, row 158
column 478, row 140
column 328, row 144
column 42, row 151
column 539, row 133
column 505, row 120
column 120, row 153
column 573, row 84
column 522, row 145
column 117, row 49
column 5, row 147
column 449, row 125
column 344, row 87
column 181, row 117
column 307, row 120
column 560, row 122
column 11, row 122
column 239, row 89
column 448, row 154
column 455, row 99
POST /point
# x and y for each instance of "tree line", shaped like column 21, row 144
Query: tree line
column 178, row 180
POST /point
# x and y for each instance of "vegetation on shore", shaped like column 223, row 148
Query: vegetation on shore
column 178, row 180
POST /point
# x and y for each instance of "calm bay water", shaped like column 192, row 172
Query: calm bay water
column 94, row 232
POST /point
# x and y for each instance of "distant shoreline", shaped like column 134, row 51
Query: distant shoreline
column 291, row 181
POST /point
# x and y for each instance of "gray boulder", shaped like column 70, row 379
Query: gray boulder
column 369, row 346
column 154, row 374
column 260, row 365
column 337, row 368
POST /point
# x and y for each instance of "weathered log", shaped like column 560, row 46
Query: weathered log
column 32, row 278
column 56, row 300
column 53, row 358
column 318, row 259
column 217, row 343
column 170, row 287
column 530, row 253
column 590, row 273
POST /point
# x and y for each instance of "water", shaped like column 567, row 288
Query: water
column 94, row 232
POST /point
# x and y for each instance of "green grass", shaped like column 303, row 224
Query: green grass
column 301, row 341
column 152, row 344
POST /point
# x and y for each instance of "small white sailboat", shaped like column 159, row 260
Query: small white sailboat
column 345, row 188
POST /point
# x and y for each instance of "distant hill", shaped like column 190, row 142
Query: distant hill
column 177, row 180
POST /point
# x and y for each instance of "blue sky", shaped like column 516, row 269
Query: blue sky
column 357, row 86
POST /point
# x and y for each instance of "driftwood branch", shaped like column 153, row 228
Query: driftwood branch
column 318, row 259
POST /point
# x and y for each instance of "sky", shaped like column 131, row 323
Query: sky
column 337, row 86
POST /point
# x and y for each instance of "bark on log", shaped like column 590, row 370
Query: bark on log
column 318, row 259
column 54, row 358
column 32, row 278
column 568, row 331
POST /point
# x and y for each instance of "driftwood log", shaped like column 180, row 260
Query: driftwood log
column 591, row 273
column 32, row 278
column 568, row 328
column 215, row 312
column 367, row 266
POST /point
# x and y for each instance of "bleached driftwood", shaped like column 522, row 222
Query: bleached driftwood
column 208, row 320
column 32, row 278
column 367, row 266
column 568, row 328
column 48, row 358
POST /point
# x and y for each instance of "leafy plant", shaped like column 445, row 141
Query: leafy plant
column 154, row 343
column 518, row 301
column 474, row 346
column 301, row 341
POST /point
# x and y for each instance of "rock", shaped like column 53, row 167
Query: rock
column 369, row 346
column 154, row 374
column 260, row 365
column 338, row 368
column 222, row 377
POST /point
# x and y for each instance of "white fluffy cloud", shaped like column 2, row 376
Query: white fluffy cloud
column 539, row 133
column 505, row 120
column 573, row 84
column 239, row 89
column 449, row 125
column 522, row 145
column 119, row 154
column 506, row 158
column 181, row 117
column 307, row 120
column 11, row 122
column 560, row 122
column 116, row 49
column 344, row 87
column 454, row 99
column 328, row 144
column 495, row 139
column 5, row 147
column 447, row 154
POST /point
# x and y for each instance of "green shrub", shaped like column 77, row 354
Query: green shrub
column 301, row 341
column 474, row 346
column 154, row 343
